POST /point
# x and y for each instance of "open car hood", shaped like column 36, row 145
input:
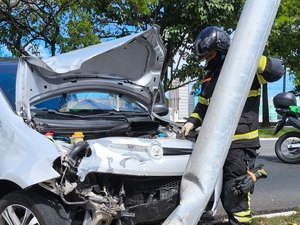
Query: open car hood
column 129, row 65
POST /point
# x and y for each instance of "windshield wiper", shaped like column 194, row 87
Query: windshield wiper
column 105, row 115
column 118, row 114
column 52, row 111
column 64, row 114
column 128, row 113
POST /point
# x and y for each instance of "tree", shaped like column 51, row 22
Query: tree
column 179, row 37
column 284, row 41
column 63, row 25
column 180, row 22
column 27, row 24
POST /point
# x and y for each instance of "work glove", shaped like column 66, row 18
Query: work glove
column 187, row 128
column 245, row 183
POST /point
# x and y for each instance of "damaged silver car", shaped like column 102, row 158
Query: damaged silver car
column 82, row 140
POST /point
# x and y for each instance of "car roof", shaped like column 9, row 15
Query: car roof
column 7, row 60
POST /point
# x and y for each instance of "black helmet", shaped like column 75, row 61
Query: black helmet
column 211, row 39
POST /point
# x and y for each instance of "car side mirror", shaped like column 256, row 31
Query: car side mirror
column 160, row 109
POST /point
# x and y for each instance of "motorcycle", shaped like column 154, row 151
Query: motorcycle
column 287, row 147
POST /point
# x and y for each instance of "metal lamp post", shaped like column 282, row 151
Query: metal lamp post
column 224, row 111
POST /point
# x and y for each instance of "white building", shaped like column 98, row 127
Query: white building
column 181, row 102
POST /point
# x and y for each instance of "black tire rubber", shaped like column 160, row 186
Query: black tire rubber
column 278, row 147
column 44, row 207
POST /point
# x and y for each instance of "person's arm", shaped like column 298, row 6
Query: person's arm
column 199, row 112
column 196, row 118
column 269, row 69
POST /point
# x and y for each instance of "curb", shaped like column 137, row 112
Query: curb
column 265, row 139
column 271, row 215
column 224, row 221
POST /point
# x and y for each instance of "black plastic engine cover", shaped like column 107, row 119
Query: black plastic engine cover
column 152, row 213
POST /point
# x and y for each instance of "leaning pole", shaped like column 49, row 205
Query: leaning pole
column 224, row 110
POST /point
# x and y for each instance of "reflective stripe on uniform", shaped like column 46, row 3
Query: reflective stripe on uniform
column 247, row 220
column 244, row 216
column 254, row 93
column 243, row 213
column 260, row 78
column 246, row 136
column 262, row 64
column 202, row 100
column 206, row 80
column 196, row 115
column 249, row 199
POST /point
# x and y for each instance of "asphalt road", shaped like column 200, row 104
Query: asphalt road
column 281, row 190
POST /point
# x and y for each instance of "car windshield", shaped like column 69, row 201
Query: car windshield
column 8, row 80
column 86, row 102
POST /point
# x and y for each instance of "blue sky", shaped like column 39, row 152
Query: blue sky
column 4, row 52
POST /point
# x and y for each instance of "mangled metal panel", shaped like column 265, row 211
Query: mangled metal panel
column 138, row 156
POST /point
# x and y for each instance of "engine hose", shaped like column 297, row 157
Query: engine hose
column 71, row 203
column 78, row 148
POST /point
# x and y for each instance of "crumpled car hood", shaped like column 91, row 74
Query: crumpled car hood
column 132, row 156
column 129, row 65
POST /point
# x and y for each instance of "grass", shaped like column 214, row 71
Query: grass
column 293, row 219
column 268, row 132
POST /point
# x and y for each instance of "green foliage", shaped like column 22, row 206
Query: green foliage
column 118, row 18
column 63, row 25
column 282, row 220
column 27, row 24
column 284, row 41
column 78, row 30
column 181, row 21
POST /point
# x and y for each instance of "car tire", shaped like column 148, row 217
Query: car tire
column 34, row 208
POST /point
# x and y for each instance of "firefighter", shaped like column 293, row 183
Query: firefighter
column 239, row 174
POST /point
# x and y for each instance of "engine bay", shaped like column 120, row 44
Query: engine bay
column 119, row 173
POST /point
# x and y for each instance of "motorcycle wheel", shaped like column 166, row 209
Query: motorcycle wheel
column 284, row 152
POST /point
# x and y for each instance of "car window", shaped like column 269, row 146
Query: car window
column 8, row 72
column 92, row 101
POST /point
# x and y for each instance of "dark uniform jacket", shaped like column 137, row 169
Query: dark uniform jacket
column 246, row 134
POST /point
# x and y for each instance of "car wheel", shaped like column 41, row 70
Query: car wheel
column 31, row 208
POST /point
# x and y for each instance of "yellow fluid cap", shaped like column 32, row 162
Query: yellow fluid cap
column 78, row 135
